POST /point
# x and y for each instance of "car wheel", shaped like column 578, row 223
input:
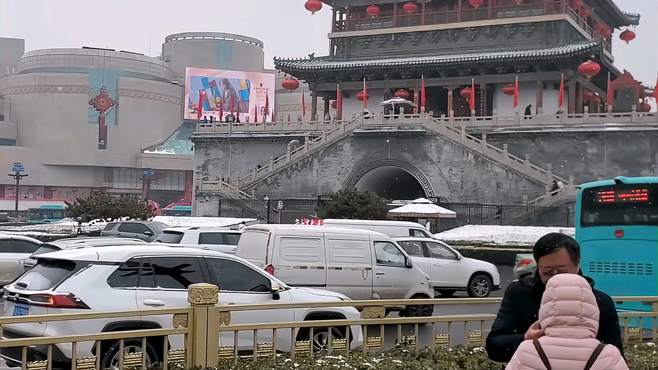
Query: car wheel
column 480, row 286
column 110, row 357
column 446, row 293
column 320, row 338
column 419, row 310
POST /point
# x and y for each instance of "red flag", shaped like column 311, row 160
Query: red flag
column 516, row 93
column 303, row 104
column 365, row 94
column 610, row 94
column 472, row 99
column 221, row 109
column 256, row 114
column 422, row 94
column 231, row 104
column 267, row 106
column 199, row 107
column 288, row 117
column 339, row 103
column 561, row 96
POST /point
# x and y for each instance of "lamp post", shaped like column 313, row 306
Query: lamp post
column 267, row 200
column 18, row 174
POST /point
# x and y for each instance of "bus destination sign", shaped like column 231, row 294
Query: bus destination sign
column 614, row 196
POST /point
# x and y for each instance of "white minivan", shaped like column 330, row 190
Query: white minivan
column 361, row 264
column 389, row 228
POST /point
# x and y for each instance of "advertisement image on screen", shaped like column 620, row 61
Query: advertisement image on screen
column 229, row 96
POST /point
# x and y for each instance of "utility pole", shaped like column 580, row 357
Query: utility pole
column 18, row 174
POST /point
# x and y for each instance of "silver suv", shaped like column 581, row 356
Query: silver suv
column 145, row 230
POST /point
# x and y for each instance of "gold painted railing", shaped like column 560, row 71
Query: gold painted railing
column 206, row 324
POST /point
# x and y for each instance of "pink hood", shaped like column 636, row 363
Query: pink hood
column 568, row 308
column 569, row 316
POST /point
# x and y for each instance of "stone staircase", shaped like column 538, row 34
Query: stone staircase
column 335, row 134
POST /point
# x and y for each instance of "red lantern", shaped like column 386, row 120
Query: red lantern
column 585, row 12
column 644, row 107
column 373, row 11
column 588, row 95
column 313, row 6
column 361, row 95
column 401, row 93
column 334, row 104
column 589, row 69
column 627, row 36
column 509, row 89
column 410, row 7
column 290, row 83
column 476, row 3
column 466, row 93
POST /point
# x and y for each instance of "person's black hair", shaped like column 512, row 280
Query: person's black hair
column 553, row 242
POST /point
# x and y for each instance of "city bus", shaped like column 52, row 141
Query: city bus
column 617, row 229
column 46, row 214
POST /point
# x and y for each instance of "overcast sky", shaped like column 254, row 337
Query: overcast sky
column 285, row 27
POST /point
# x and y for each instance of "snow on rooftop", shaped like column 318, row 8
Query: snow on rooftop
column 499, row 235
column 176, row 221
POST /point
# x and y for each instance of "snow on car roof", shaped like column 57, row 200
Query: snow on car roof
column 123, row 253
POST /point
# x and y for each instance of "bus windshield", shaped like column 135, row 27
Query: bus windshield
column 36, row 215
column 620, row 205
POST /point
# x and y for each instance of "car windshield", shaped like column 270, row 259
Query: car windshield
column 172, row 237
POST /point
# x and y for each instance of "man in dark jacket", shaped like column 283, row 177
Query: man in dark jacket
column 555, row 253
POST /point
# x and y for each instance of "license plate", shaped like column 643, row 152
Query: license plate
column 21, row 310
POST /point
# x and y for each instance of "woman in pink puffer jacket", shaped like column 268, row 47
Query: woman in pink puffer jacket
column 569, row 316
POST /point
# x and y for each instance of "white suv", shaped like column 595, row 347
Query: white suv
column 152, row 276
column 212, row 238
column 449, row 271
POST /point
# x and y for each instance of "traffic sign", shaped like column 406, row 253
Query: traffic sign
column 17, row 167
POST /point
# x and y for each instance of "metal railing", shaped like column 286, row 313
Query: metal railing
column 210, row 336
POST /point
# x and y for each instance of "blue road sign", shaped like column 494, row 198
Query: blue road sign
column 17, row 167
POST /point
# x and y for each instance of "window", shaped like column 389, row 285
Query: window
column 211, row 238
column 172, row 237
column 126, row 276
column 110, row 226
column 133, row 227
column 620, row 205
column 17, row 246
column 388, row 254
column 413, row 248
column 47, row 274
column 176, row 272
column 417, row 233
column 232, row 238
column 234, row 276
column 436, row 250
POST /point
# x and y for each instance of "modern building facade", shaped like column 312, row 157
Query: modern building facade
column 74, row 140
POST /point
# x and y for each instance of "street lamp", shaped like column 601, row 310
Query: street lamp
column 267, row 200
column 18, row 174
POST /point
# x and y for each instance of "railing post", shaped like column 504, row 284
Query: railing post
column 571, row 180
column 484, row 142
column 506, row 151
column 527, row 161
column 462, row 136
column 203, row 343
column 549, row 176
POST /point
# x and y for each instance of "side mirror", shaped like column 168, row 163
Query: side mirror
column 459, row 256
column 407, row 263
column 148, row 233
column 275, row 289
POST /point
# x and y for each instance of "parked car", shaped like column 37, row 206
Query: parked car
column 213, row 238
column 152, row 276
column 145, row 230
column 524, row 265
column 361, row 264
column 14, row 251
column 449, row 271
column 78, row 242
column 389, row 228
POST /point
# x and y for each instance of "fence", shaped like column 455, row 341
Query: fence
column 210, row 335
column 286, row 211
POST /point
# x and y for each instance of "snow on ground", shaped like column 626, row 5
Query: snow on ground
column 525, row 236
column 175, row 221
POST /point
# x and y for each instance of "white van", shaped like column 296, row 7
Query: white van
column 361, row 264
column 390, row 228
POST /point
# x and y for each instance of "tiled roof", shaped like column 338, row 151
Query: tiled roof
column 325, row 64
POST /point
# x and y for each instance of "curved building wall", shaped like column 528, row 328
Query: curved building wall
column 212, row 50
